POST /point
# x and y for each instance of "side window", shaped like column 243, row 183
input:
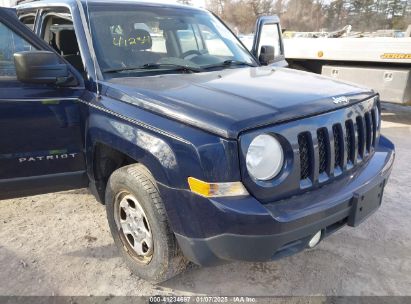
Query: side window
column 215, row 45
column 58, row 31
column 270, row 36
column 10, row 43
column 28, row 20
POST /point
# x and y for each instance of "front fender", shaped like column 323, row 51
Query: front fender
column 145, row 147
column 171, row 150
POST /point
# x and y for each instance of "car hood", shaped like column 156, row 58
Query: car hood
column 231, row 101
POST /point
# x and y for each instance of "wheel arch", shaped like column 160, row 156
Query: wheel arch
column 108, row 152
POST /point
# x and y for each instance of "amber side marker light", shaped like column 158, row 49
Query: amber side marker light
column 216, row 189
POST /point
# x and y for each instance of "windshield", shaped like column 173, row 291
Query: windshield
column 140, row 39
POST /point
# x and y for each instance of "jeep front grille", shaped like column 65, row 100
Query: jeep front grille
column 351, row 141
column 319, row 149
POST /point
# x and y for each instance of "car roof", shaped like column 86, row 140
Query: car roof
column 24, row 4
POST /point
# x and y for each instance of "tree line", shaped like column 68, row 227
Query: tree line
column 315, row 15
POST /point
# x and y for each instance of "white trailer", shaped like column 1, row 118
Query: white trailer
column 381, row 63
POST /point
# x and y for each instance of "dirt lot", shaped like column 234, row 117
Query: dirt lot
column 59, row 244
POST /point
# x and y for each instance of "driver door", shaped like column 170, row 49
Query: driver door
column 41, row 142
column 268, row 47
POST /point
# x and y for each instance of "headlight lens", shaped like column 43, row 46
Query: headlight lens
column 265, row 157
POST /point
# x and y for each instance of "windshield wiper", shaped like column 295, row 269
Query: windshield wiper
column 228, row 63
column 154, row 66
column 177, row 67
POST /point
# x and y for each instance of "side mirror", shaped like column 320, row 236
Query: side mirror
column 42, row 67
column 267, row 55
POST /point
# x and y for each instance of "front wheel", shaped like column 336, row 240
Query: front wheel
column 139, row 225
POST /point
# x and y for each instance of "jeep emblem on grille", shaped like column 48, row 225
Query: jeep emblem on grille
column 342, row 99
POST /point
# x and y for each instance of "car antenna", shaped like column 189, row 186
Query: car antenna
column 89, row 39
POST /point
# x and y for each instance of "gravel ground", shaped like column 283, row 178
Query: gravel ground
column 59, row 244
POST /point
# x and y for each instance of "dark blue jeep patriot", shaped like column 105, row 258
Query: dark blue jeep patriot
column 200, row 150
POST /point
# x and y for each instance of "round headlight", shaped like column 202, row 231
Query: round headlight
column 265, row 157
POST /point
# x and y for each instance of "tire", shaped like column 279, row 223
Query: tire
column 134, row 211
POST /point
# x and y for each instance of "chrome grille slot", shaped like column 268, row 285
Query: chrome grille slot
column 368, row 125
column 374, row 127
column 306, row 155
column 349, row 142
column 361, row 136
column 323, row 150
column 338, row 146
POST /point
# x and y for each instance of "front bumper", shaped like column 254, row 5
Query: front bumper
column 212, row 231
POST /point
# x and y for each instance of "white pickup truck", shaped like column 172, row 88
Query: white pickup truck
column 381, row 63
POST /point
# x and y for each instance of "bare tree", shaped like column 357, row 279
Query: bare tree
column 314, row 15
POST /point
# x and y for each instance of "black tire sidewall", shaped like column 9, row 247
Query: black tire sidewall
column 120, row 181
